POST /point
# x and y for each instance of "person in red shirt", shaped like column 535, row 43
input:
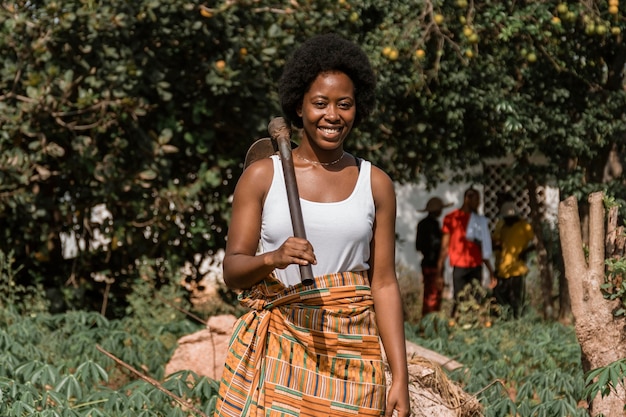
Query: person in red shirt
column 466, row 256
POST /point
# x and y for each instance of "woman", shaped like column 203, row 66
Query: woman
column 314, row 350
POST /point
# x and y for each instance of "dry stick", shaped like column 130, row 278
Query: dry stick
column 182, row 310
column 152, row 382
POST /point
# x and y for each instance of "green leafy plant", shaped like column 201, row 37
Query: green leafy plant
column 23, row 299
column 605, row 379
column 614, row 287
column 476, row 307
column 524, row 367
column 53, row 364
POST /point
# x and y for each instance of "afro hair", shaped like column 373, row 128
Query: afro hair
column 324, row 53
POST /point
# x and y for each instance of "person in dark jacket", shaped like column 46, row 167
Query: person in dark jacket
column 428, row 242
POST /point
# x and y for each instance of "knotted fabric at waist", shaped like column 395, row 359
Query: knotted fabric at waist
column 300, row 346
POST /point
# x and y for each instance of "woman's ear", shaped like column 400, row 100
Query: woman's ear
column 299, row 110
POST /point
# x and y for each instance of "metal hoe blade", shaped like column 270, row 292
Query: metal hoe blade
column 260, row 149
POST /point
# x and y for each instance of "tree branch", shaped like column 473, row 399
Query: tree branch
column 572, row 249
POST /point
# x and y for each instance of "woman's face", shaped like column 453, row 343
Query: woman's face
column 328, row 110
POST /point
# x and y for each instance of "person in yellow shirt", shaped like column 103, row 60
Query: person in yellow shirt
column 513, row 239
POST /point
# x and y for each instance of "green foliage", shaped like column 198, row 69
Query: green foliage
column 525, row 368
column 146, row 108
column 476, row 307
column 614, row 287
column 521, row 367
column 52, row 367
column 606, row 379
column 16, row 297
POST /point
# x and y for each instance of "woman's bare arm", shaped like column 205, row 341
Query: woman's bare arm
column 243, row 267
column 386, row 292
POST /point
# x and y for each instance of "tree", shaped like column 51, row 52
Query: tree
column 600, row 333
column 132, row 106
column 147, row 107
column 493, row 79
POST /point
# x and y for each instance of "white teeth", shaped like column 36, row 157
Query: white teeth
column 329, row 130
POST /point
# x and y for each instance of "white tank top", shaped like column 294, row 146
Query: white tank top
column 340, row 232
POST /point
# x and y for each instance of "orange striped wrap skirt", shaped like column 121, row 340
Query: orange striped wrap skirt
column 305, row 351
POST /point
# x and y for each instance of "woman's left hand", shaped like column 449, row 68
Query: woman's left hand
column 398, row 400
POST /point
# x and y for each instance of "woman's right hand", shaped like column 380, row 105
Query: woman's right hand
column 294, row 250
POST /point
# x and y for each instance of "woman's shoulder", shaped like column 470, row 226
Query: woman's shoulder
column 377, row 173
column 261, row 166
column 382, row 185
column 258, row 175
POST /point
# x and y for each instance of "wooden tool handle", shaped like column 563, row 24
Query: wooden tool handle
column 281, row 132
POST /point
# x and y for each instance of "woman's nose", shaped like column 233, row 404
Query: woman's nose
column 331, row 113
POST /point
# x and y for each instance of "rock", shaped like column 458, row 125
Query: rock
column 204, row 352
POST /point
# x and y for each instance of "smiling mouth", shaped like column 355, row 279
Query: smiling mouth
column 330, row 131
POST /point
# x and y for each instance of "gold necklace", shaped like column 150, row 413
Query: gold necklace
column 321, row 163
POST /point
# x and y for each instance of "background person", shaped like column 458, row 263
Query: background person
column 315, row 350
column 428, row 243
column 513, row 237
column 466, row 256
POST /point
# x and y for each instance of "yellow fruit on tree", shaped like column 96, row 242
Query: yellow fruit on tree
column 615, row 30
column 601, row 29
column 469, row 53
column 205, row 12
column 556, row 21
column 354, row 16
column 243, row 51
column 439, row 18
column 386, row 51
column 473, row 38
column 393, row 54
column 461, row 3
column 220, row 65
column 420, row 53
column 531, row 57
column 613, row 9
column 467, row 31
column 562, row 8
column 613, row 2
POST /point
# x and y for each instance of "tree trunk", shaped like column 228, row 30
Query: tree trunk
column 601, row 336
